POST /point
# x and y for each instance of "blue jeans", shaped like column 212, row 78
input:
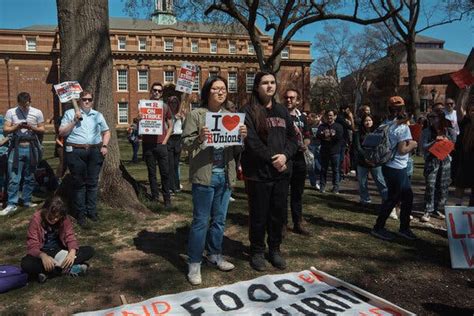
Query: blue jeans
column 362, row 178
column 210, row 202
column 84, row 165
column 24, row 168
column 334, row 159
column 314, row 173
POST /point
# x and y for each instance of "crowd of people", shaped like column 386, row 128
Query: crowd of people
column 282, row 147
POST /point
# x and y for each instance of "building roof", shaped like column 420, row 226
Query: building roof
column 427, row 39
column 435, row 56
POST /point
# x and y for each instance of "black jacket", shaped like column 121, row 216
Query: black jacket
column 332, row 144
column 257, row 155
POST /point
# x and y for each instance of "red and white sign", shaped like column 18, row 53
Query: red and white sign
column 224, row 128
column 186, row 77
column 68, row 90
column 460, row 224
column 298, row 293
column 151, row 112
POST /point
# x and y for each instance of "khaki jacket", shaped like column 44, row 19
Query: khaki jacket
column 201, row 156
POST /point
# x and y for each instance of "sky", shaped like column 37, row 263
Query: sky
column 458, row 36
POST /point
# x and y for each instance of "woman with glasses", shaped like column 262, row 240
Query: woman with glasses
column 212, row 173
column 266, row 161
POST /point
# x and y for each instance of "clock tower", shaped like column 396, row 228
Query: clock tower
column 164, row 13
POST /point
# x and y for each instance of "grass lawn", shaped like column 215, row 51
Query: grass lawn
column 143, row 257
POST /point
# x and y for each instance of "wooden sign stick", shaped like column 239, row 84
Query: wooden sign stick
column 76, row 108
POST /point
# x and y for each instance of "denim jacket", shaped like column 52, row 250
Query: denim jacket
column 200, row 155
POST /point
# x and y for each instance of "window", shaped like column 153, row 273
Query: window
column 232, row 49
column 214, row 47
column 169, row 76
column 168, row 45
column 122, row 80
column 31, row 44
column 142, row 43
column 197, row 83
column 249, row 81
column 213, row 73
column 122, row 43
column 122, row 112
column 142, row 80
column 232, row 81
column 194, row 46
column 285, row 53
column 250, row 49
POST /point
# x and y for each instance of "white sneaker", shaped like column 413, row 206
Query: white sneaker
column 29, row 205
column 231, row 199
column 8, row 210
column 317, row 187
column 219, row 262
column 425, row 218
column 393, row 214
column 194, row 273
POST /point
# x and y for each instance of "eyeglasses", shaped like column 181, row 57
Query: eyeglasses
column 450, row 103
column 157, row 90
column 217, row 90
column 86, row 99
column 291, row 98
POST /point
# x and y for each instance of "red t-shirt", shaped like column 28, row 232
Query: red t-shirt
column 158, row 139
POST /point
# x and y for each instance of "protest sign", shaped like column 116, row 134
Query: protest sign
column 304, row 293
column 186, row 77
column 224, row 128
column 460, row 225
column 415, row 131
column 441, row 149
column 151, row 112
column 68, row 90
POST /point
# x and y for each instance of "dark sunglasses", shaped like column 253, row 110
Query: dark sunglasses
column 86, row 99
column 157, row 90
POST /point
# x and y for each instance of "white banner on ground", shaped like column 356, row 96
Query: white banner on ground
column 152, row 117
column 186, row 77
column 298, row 293
column 224, row 128
column 68, row 90
column 460, row 224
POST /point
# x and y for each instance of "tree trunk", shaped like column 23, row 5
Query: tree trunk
column 414, row 105
column 86, row 57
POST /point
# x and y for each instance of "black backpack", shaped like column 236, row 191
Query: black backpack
column 377, row 147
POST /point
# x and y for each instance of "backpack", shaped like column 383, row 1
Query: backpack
column 377, row 147
column 11, row 277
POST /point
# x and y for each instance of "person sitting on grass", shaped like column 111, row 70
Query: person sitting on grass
column 50, row 234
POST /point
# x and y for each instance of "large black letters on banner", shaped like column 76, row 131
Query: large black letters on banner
column 191, row 310
column 254, row 287
column 282, row 311
column 321, row 306
column 280, row 285
column 344, row 296
column 336, row 301
column 216, row 121
column 302, row 310
column 217, row 299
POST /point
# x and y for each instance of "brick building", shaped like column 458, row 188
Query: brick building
column 145, row 51
column 389, row 75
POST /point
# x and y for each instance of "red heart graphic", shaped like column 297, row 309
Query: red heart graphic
column 230, row 122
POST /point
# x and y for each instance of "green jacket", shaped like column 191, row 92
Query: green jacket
column 200, row 156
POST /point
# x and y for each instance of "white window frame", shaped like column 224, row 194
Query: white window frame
column 233, row 87
column 215, row 73
column 232, row 47
column 249, row 79
column 31, row 44
column 142, row 43
column 122, row 43
column 119, row 112
column 167, row 48
column 250, row 48
column 197, row 83
column 142, row 81
column 194, row 46
column 213, row 47
column 119, row 82
column 164, row 76
column 285, row 53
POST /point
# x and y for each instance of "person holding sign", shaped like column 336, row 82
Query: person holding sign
column 25, row 124
column 437, row 170
column 212, row 173
column 266, row 164
column 86, row 143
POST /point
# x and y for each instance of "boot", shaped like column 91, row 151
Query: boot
column 277, row 260
column 298, row 228
column 257, row 261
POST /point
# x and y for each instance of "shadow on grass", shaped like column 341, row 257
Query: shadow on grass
column 443, row 309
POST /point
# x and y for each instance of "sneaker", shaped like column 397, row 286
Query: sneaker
column 168, row 204
column 335, row 190
column 425, row 218
column 30, row 205
column 407, row 234
column 194, row 273
column 219, row 262
column 42, row 278
column 181, row 186
column 393, row 214
column 317, row 186
column 78, row 269
column 439, row 215
column 322, row 189
column 8, row 210
column 277, row 260
column 257, row 261
column 368, row 202
column 231, row 199
column 382, row 233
